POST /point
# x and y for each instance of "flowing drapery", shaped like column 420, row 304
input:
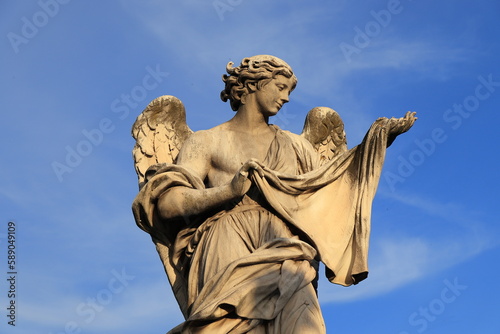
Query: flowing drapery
column 264, row 250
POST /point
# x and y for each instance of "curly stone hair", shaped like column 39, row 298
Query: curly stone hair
column 258, row 70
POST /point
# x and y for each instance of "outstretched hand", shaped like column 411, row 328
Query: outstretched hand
column 241, row 183
column 397, row 126
column 403, row 124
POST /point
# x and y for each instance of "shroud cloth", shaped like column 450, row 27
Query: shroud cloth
column 256, row 259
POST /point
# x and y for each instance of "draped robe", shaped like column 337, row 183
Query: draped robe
column 250, row 266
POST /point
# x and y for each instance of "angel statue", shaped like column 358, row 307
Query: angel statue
column 241, row 214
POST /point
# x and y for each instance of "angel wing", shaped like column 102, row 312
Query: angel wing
column 324, row 129
column 159, row 131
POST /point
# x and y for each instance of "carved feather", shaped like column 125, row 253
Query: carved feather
column 324, row 129
column 159, row 131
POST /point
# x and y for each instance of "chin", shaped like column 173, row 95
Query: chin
column 273, row 112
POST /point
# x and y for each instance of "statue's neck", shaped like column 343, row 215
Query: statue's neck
column 249, row 119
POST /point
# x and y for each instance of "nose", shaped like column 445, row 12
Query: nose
column 284, row 97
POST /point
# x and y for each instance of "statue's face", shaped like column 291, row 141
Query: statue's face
column 271, row 97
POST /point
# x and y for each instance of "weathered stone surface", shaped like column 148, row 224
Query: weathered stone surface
column 242, row 213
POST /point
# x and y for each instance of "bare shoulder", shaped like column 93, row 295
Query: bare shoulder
column 196, row 153
column 205, row 139
column 196, row 139
column 200, row 146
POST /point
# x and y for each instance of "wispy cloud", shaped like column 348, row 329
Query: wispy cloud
column 185, row 38
column 151, row 304
column 325, row 78
column 469, row 219
column 427, row 59
column 397, row 260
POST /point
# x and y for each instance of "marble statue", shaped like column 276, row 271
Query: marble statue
column 241, row 214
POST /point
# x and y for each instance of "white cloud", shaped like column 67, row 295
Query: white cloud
column 396, row 263
column 397, row 260
column 315, row 53
column 152, row 304
column 426, row 59
column 468, row 219
column 325, row 77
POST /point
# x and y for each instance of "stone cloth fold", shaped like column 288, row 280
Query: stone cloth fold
column 251, row 266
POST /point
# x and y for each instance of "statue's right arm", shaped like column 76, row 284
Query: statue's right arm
column 183, row 201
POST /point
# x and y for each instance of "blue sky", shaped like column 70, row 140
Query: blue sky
column 76, row 74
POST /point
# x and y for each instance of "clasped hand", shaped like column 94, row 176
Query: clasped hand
column 241, row 183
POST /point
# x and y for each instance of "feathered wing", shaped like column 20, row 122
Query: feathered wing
column 324, row 129
column 159, row 131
